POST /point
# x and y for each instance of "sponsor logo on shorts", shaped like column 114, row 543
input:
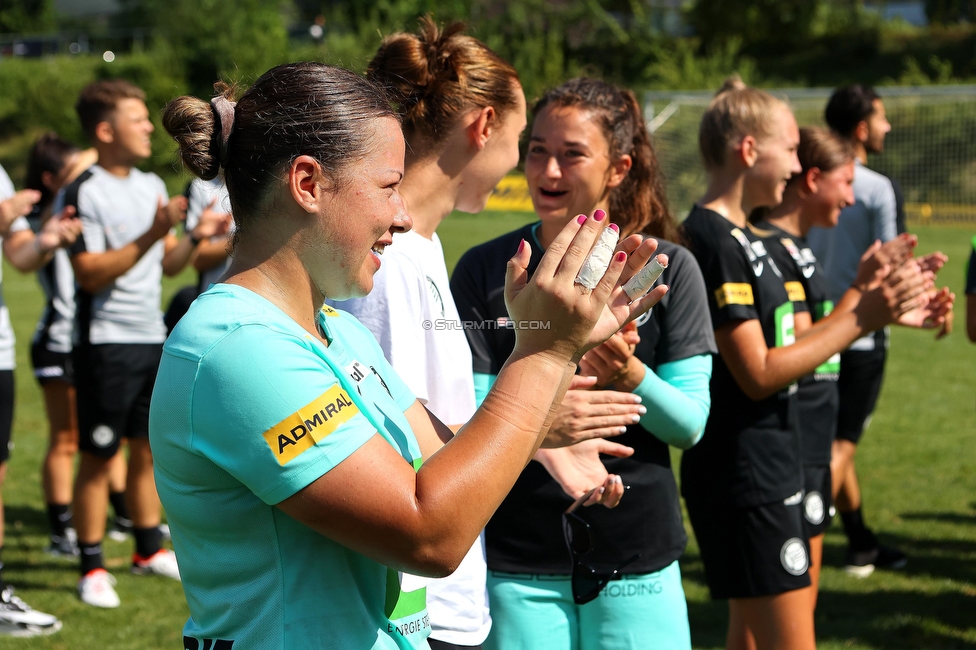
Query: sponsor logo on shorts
column 734, row 293
column 795, row 292
column 190, row 643
column 102, row 436
column 309, row 424
column 813, row 508
column 793, row 557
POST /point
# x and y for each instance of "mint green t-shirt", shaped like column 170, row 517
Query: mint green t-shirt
column 247, row 410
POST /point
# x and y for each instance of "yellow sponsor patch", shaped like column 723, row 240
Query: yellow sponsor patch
column 329, row 311
column 795, row 292
column 734, row 293
column 309, row 424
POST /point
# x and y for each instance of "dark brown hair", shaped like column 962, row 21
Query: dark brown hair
column 735, row 112
column 436, row 75
column 639, row 203
column 50, row 154
column 294, row 109
column 98, row 100
column 824, row 149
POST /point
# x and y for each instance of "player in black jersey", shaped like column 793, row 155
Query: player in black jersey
column 815, row 197
column 743, row 483
column 589, row 150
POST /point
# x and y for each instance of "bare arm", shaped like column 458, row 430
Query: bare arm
column 29, row 252
column 180, row 251
column 96, row 271
column 424, row 522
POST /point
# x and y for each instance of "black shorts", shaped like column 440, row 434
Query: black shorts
column 6, row 414
column 816, row 499
column 51, row 366
column 114, row 384
column 751, row 552
column 861, row 375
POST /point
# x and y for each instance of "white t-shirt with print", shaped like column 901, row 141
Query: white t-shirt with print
column 412, row 314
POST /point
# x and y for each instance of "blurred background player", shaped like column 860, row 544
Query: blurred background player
column 857, row 113
column 125, row 247
column 26, row 252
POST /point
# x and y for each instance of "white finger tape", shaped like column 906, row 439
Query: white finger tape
column 598, row 261
column 641, row 283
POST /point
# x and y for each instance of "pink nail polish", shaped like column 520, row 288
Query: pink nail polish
column 521, row 246
column 621, row 256
column 581, row 219
column 614, row 227
column 599, row 215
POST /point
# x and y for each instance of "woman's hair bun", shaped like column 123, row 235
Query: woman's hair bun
column 192, row 123
column 732, row 82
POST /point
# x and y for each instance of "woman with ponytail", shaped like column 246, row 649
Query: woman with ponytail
column 815, row 197
column 589, row 153
column 463, row 111
column 744, row 482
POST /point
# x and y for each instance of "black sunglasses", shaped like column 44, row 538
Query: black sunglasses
column 587, row 582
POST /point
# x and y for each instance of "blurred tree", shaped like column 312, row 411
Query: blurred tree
column 776, row 23
column 946, row 12
column 26, row 16
column 212, row 39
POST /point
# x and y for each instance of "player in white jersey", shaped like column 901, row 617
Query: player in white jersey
column 125, row 247
column 27, row 252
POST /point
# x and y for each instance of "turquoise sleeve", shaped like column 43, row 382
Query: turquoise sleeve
column 677, row 400
column 482, row 384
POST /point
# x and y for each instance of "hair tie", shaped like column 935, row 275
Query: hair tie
column 224, row 111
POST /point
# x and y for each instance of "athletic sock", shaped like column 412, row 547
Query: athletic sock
column 148, row 541
column 91, row 557
column 859, row 535
column 59, row 518
column 117, row 499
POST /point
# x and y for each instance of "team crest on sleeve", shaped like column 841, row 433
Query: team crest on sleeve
column 310, row 424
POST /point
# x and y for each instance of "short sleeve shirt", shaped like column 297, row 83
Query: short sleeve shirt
column 114, row 212
column 7, row 355
column 807, row 286
column 247, row 410
column 750, row 451
column 525, row 534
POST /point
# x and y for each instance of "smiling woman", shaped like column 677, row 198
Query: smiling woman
column 287, row 455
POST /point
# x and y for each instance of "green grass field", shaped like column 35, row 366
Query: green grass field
column 917, row 465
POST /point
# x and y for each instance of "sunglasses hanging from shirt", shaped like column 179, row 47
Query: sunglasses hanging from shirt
column 587, row 582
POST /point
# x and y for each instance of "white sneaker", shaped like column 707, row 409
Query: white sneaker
column 18, row 619
column 162, row 563
column 97, row 588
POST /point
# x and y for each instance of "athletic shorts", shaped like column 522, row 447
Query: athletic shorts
column 114, row 383
column 861, row 375
column 752, row 552
column 6, row 414
column 816, row 499
column 537, row 612
column 51, row 366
